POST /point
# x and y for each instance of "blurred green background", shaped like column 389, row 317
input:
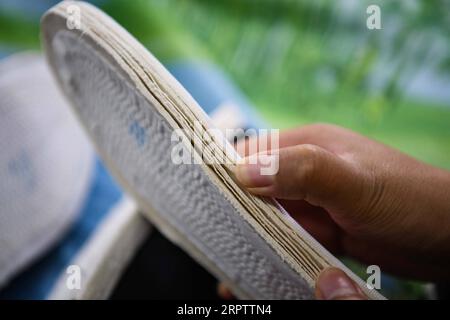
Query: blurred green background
column 302, row 61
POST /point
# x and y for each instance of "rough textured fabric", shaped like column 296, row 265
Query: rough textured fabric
column 132, row 133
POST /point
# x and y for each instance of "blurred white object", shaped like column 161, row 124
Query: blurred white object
column 105, row 256
column 46, row 163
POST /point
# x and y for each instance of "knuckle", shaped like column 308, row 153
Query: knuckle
column 299, row 168
column 309, row 162
column 375, row 198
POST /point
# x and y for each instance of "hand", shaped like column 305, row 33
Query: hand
column 361, row 198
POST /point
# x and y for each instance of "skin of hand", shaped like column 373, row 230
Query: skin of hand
column 359, row 198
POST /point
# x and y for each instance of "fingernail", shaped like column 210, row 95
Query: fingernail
column 334, row 284
column 248, row 172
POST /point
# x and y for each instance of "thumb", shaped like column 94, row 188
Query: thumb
column 305, row 172
column 334, row 284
